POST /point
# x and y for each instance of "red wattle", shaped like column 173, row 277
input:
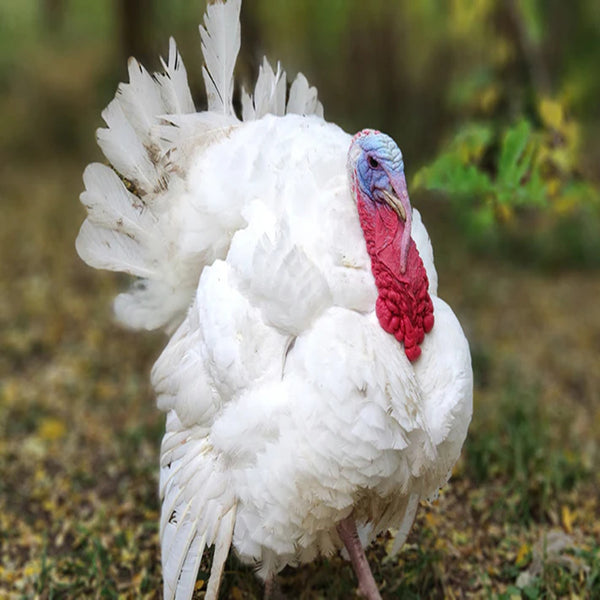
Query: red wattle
column 404, row 307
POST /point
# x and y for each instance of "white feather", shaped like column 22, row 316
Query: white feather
column 406, row 524
column 270, row 90
column 248, row 112
column 281, row 279
column 122, row 146
column 141, row 101
column 150, row 304
column 175, row 91
column 303, row 99
column 107, row 249
column 222, row 545
column 198, row 509
column 220, row 46
column 111, row 206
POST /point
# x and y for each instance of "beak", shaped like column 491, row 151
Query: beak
column 397, row 197
column 394, row 202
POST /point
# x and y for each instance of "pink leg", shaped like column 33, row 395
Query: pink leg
column 271, row 588
column 366, row 583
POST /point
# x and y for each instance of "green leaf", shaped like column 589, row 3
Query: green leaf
column 449, row 175
column 515, row 157
column 471, row 141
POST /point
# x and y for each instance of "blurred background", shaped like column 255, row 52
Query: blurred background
column 495, row 104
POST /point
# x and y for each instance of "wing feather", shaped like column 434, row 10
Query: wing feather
column 198, row 510
column 222, row 546
column 189, row 569
column 408, row 519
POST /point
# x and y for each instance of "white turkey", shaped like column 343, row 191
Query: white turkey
column 315, row 386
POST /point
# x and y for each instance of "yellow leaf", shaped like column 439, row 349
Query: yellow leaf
column 236, row 594
column 505, row 213
column 432, row 520
column 49, row 505
column 551, row 113
column 51, row 429
column 565, row 206
column 10, row 392
column 523, row 555
column 567, row 518
column 489, row 98
column 33, row 568
column 553, row 186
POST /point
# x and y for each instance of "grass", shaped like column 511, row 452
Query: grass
column 513, row 441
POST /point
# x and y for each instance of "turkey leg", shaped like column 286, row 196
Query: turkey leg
column 272, row 589
column 366, row 583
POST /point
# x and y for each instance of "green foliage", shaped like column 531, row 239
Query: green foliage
column 483, row 193
column 499, row 182
column 516, row 171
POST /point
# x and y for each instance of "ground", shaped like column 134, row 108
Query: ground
column 80, row 431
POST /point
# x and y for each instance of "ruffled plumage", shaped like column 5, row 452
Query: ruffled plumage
column 288, row 407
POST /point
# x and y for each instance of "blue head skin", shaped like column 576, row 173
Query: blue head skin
column 376, row 171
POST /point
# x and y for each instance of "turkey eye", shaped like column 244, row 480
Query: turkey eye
column 373, row 163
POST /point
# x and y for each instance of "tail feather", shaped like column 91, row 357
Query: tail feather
column 127, row 230
column 270, row 95
column 187, row 135
column 110, row 205
column 105, row 249
column 303, row 98
column 174, row 87
column 141, row 101
column 221, row 38
column 130, row 142
column 119, row 231
column 151, row 303
column 122, row 146
column 152, row 136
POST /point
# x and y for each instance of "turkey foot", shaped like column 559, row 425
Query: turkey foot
column 366, row 583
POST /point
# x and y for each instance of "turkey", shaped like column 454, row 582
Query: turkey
column 315, row 386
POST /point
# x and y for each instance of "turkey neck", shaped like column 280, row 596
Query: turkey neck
column 404, row 307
